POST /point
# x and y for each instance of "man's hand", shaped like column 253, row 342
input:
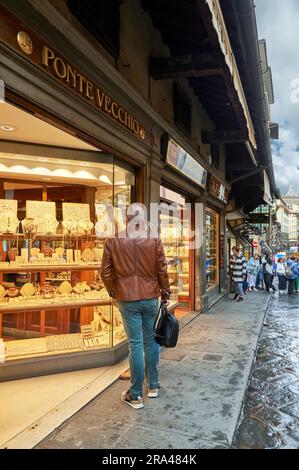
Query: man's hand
column 112, row 293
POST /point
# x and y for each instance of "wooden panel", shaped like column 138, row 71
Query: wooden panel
column 33, row 321
column 9, row 321
column 57, row 321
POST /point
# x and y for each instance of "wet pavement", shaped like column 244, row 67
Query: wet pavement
column 270, row 415
column 203, row 380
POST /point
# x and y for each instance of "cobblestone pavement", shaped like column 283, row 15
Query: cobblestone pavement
column 270, row 417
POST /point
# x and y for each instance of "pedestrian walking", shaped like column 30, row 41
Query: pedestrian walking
column 239, row 272
column 134, row 271
column 260, row 275
column 281, row 273
column 268, row 273
column 245, row 282
column 253, row 267
column 297, row 278
column 292, row 272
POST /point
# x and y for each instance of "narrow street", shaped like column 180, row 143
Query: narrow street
column 270, row 417
column 203, row 380
column 149, row 157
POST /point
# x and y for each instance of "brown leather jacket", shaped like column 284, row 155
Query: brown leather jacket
column 135, row 269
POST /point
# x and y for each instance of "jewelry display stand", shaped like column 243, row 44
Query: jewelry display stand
column 56, row 284
column 44, row 212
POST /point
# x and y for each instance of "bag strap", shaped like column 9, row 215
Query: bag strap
column 158, row 319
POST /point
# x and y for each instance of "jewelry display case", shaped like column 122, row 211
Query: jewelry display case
column 53, row 303
column 212, row 248
column 46, row 311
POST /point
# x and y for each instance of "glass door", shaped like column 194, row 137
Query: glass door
column 175, row 233
column 212, row 248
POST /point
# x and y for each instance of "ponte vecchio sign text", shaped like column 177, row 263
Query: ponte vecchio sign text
column 27, row 43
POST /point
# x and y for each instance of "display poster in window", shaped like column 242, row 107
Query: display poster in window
column 185, row 163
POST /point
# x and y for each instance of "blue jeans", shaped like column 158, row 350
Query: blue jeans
column 259, row 279
column 239, row 288
column 139, row 317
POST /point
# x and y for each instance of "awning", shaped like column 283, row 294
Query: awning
column 200, row 51
column 235, row 215
column 267, row 191
column 240, row 236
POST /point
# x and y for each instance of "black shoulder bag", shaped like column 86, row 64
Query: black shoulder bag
column 166, row 327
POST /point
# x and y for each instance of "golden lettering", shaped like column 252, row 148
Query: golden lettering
column 107, row 103
column 47, row 55
column 121, row 111
column 61, row 69
column 62, row 72
column 127, row 120
column 100, row 97
column 135, row 126
column 113, row 107
column 82, row 79
column 131, row 122
column 71, row 72
column 89, row 90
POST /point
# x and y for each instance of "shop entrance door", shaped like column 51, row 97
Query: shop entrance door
column 176, row 228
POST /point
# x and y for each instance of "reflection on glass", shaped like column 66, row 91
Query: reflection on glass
column 39, row 321
column 211, row 248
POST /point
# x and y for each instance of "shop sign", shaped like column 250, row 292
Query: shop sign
column 64, row 71
column 217, row 189
column 34, row 49
column 178, row 158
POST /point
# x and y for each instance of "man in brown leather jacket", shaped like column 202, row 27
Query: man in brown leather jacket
column 134, row 271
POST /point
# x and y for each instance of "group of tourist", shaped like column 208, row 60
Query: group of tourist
column 258, row 273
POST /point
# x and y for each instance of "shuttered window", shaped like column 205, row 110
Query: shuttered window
column 215, row 154
column 182, row 110
column 101, row 19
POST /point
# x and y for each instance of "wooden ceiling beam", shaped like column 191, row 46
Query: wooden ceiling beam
column 186, row 66
column 222, row 137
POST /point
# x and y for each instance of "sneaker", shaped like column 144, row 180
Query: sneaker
column 240, row 299
column 255, row 290
column 236, row 295
column 153, row 392
column 137, row 404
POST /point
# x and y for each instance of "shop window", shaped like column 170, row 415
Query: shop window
column 101, row 19
column 212, row 248
column 182, row 110
column 52, row 299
